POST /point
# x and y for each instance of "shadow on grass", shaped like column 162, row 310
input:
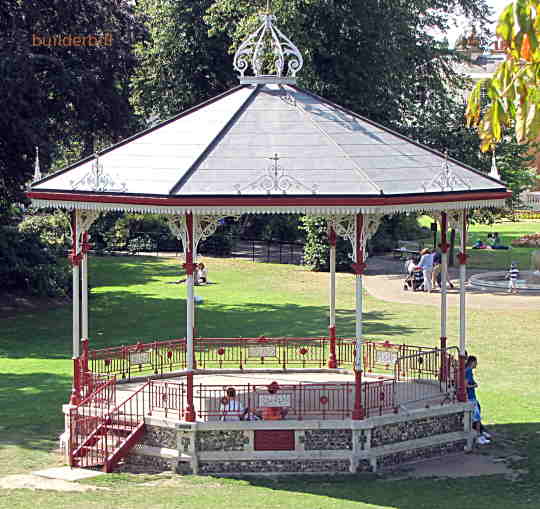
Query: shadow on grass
column 32, row 404
column 493, row 492
column 122, row 317
column 125, row 270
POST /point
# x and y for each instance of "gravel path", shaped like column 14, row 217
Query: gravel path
column 384, row 280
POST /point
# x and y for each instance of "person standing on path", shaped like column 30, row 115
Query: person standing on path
column 512, row 276
column 426, row 264
column 436, row 277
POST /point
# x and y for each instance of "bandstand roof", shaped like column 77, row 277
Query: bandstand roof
column 268, row 147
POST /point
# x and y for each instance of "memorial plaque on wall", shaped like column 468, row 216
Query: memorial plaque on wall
column 274, row 440
column 259, row 351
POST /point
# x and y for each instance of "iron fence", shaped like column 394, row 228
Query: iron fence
column 430, row 375
column 159, row 357
column 299, row 401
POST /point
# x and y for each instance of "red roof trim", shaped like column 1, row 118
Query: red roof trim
column 271, row 200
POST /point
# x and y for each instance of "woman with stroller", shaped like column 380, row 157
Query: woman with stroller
column 414, row 278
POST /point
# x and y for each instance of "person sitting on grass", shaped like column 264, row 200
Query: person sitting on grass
column 201, row 274
column 479, row 244
column 483, row 435
column 496, row 241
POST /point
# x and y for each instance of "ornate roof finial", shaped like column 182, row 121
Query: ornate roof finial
column 37, row 170
column 494, row 172
column 268, row 48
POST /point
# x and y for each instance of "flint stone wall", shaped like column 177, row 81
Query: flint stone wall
column 217, row 440
column 415, row 429
column 327, row 440
column 158, row 436
column 273, row 466
column 410, row 455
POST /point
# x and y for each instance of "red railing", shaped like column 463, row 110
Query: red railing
column 101, row 432
column 379, row 397
column 430, row 375
column 302, row 401
column 86, row 421
column 381, row 357
column 161, row 357
column 168, row 397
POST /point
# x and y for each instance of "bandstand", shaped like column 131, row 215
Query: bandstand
column 267, row 147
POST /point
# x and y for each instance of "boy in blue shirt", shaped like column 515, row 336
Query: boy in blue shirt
column 471, row 385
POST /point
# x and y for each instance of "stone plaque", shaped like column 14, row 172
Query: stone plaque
column 386, row 356
column 139, row 357
column 274, row 400
column 261, row 351
column 274, row 440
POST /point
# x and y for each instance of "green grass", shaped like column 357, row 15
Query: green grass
column 497, row 259
column 131, row 301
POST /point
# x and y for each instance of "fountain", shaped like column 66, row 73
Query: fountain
column 529, row 280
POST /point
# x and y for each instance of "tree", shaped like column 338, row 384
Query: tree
column 373, row 57
column 181, row 65
column 513, row 91
column 55, row 88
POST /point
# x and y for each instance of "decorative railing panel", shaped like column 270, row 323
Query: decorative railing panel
column 299, row 401
column 159, row 357
column 429, row 375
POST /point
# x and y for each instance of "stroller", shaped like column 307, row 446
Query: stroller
column 414, row 279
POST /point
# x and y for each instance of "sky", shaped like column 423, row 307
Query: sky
column 497, row 5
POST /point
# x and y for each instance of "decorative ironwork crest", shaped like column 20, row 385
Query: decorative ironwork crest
column 446, row 179
column 275, row 179
column 98, row 180
column 268, row 42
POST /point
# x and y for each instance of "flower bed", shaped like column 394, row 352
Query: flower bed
column 531, row 240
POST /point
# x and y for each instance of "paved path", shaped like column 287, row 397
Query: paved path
column 384, row 280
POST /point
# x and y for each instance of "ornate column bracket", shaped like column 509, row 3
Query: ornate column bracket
column 80, row 241
column 345, row 227
column 442, row 219
column 457, row 220
column 203, row 227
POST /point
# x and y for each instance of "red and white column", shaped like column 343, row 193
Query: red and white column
column 462, row 257
column 75, row 260
column 359, row 267
column 332, row 361
column 444, row 291
column 84, row 286
column 189, row 266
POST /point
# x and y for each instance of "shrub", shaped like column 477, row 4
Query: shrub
column 28, row 265
column 52, row 229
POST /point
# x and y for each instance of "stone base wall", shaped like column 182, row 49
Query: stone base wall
column 325, row 447
column 274, row 466
column 422, row 453
column 138, row 463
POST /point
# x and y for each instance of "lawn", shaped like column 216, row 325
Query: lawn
column 132, row 301
column 497, row 259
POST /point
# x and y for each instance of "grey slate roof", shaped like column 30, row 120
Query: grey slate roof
column 223, row 149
